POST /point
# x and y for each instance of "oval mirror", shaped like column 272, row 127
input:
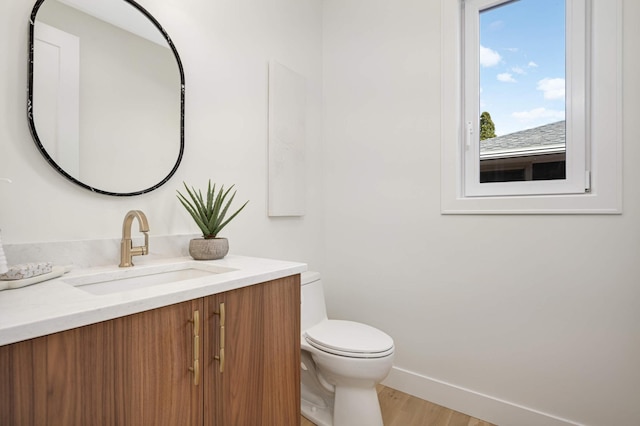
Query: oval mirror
column 106, row 95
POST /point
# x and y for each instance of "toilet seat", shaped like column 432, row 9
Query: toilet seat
column 349, row 339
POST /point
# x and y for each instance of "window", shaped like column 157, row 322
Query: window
column 531, row 106
column 516, row 68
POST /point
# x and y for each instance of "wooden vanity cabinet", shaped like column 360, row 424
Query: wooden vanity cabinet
column 140, row 370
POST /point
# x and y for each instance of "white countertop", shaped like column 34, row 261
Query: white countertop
column 55, row 305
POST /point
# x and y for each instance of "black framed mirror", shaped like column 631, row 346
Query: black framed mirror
column 106, row 95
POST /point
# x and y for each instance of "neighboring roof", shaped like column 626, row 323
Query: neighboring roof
column 547, row 139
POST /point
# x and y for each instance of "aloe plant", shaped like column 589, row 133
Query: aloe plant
column 209, row 214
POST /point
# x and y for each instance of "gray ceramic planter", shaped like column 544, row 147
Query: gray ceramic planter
column 208, row 249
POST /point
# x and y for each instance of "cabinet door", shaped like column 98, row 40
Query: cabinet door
column 80, row 370
column 260, row 380
column 154, row 382
column 62, row 379
column 128, row 371
column 23, row 385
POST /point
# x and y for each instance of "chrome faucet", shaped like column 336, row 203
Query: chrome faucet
column 127, row 251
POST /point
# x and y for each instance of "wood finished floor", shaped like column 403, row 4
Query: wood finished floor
column 401, row 409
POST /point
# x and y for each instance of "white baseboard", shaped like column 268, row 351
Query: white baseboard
column 475, row 404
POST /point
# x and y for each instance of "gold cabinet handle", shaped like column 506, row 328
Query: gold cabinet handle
column 196, row 372
column 196, row 348
column 220, row 356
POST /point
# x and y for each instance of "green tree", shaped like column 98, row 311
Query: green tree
column 487, row 128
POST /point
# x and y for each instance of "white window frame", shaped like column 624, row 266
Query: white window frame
column 601, row 80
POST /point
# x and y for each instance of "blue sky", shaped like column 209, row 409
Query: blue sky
column 522, row 64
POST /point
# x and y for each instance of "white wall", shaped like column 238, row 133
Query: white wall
column 225, row 46
column 523, row 320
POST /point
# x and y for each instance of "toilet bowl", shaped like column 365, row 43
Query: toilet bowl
column 342, row 362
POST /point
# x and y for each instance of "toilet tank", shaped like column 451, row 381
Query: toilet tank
column 312, row 308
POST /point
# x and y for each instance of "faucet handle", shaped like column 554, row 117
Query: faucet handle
column 145, row 248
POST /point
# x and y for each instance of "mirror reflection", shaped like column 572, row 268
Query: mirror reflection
column 106, row 95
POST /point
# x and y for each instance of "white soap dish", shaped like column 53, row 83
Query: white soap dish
column 56, row 271
column 26, row 270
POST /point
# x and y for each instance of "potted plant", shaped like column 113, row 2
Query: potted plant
column 209, row 214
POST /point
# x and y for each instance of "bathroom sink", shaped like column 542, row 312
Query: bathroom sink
column 142, row 277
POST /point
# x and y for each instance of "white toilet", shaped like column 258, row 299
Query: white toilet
column 342, row 362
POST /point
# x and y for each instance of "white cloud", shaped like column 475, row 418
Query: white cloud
column 518, row 70
column 537, row 114
column 496, row 25
column 506, row 77
column 553, row 88
column 532, row 64
column 488, row 57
